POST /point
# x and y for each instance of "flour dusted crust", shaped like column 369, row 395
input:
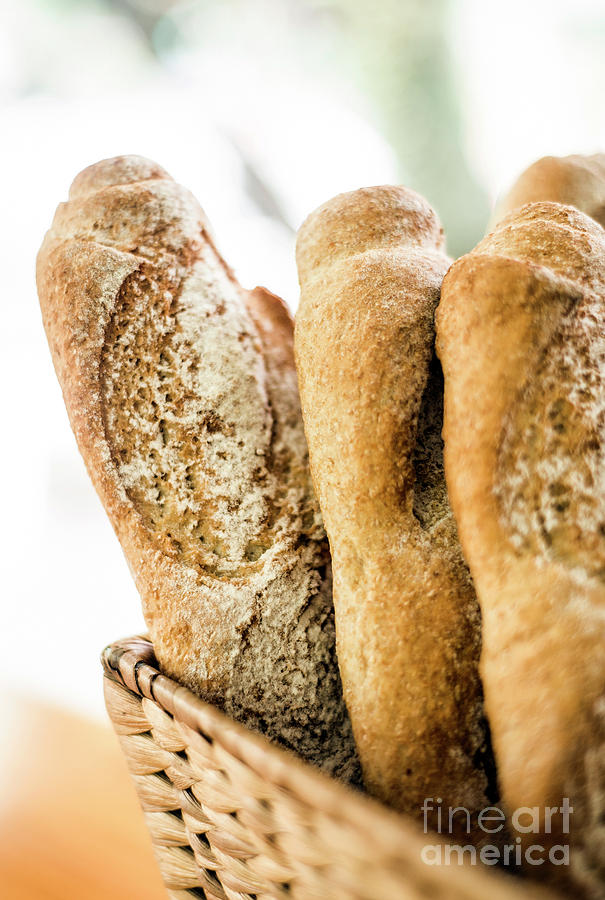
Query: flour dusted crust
column 572, row 180
column 408, row 628
column 182, row 394
column 520, row 335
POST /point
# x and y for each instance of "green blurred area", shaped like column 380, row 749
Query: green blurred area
column 396, row 63
column 402, row 59
column 395, row 53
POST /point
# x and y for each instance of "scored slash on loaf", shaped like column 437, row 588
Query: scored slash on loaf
column 182, row 393
column 370, row 265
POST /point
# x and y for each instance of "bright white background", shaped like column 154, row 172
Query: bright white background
column 259, row 114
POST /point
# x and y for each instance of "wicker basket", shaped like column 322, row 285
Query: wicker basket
column 233, row 817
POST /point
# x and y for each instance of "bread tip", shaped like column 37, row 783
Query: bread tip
column 117, row 170
column 380, row 216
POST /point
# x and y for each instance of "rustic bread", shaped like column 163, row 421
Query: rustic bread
column 407, row 622
column 521, row 341
column 182, row 393
column 572, row 180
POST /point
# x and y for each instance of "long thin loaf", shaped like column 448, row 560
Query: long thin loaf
column 521, row 339
column 408, row 632
column 182, row 394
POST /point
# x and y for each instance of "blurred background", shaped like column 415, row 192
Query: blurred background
column 264, row 108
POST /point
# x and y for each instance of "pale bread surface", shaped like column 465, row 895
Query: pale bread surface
column 370, row 265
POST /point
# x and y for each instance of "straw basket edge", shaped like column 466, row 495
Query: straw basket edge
column 233, row 817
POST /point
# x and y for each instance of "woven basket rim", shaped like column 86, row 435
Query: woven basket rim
column 132, row 662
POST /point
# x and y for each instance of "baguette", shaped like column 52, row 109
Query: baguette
column 520, row 339
column 571, row 180
column 182, row 393
column 407, row 622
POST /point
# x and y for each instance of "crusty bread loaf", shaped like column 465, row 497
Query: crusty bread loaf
column 182, row 393
column 407, row 622
column 521, row 340
column 572, row 180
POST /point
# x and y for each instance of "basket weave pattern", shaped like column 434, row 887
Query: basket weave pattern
column 234, row 818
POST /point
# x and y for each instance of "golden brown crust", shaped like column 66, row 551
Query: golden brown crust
column 182, row 394
column 571, row 180
column 520, row 339
column 408, row 633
